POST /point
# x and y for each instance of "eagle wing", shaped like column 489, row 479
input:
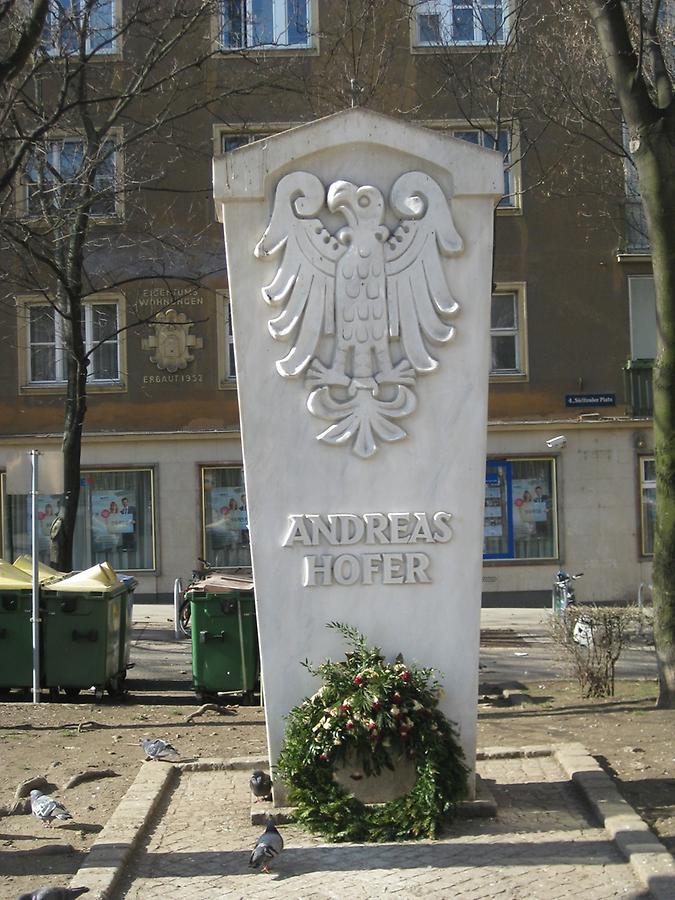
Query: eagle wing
column 419, row 300
column 304, row 284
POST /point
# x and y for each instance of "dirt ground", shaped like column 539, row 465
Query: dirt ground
column 633, row 741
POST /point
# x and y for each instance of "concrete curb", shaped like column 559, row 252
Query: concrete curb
column 652, row 863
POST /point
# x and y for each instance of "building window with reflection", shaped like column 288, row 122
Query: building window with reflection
column 225, row 536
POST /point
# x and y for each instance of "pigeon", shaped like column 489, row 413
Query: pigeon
column 268, row 846
column 47, row 808
column 158, row 749
column 261, row 785
column 54, row 893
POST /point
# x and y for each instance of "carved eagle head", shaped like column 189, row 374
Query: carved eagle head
column 360, row 206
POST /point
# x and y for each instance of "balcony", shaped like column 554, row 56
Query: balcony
column 637, row 376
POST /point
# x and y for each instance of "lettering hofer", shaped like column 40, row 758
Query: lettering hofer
column 371, row 529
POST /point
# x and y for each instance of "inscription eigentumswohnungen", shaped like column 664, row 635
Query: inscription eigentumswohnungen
column 372, row 529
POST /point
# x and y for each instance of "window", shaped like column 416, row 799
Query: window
column 508, row 333
column 115, row 521
column 225, row 539
column 520, row 517
column 444, row 22
column 636, row 236
column 67, row 26
column 227, row 374
column 264, row 23
column 44, row 343
column 642, row 306
column 57, row 173
column 647, row 504
column 502, row 142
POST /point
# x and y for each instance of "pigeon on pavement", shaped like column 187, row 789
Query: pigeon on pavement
column 261, row 785
column 158, row 749
column 268, row 847
column 55, row 893
column 47, row 808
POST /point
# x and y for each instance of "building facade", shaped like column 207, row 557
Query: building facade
column 570, row 471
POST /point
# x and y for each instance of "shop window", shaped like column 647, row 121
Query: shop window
column 520, row 517
column 647, row 504
column 508, row 334
column 264, row 23
column 225, row 538
column 115, row 521
column 44, row 351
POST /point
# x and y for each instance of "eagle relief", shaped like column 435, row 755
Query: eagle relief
column 363, row 306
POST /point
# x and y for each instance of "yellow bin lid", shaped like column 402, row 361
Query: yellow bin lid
column 100, row 577
column 12, row 579
column 25, row 563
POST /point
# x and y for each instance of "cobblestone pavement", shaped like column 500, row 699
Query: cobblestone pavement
column 541, row 846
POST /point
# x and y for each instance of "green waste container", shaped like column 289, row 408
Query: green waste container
column 16, row 634
column 130, row 585
column 82, row 632
column 225, row 655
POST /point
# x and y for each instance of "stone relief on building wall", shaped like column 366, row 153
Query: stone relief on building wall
column 171, row 341
column 363, row 305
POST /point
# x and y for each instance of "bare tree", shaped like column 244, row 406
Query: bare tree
column 88, row 133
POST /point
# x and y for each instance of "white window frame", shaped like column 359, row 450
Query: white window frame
column 54, row 149
column 519, row 333
column 227, row 375
column 645, row 484
column 485, row 137
column 53, row 43
column 444, row 11
column 280, row 27
column 24, row 307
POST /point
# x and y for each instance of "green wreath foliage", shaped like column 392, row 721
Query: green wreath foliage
column 373, row 711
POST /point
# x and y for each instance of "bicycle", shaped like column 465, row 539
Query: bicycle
column 562, row 592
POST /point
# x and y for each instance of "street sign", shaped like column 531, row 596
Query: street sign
column 590, row 400
column 50, row 476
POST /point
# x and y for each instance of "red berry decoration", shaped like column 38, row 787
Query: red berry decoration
column 324, row 757
column 376, row 705
column 345, row 707
column 349, row 725
column 358, row 679
column 405, row 676
column 396, row 697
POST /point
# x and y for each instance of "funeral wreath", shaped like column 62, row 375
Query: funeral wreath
column 374, row 711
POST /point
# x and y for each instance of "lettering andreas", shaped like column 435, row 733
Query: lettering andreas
column 372, row 529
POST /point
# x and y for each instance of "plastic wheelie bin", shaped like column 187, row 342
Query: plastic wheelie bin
column 82, row 624
column 224, row 635
column 16, row 637
column 130, row 585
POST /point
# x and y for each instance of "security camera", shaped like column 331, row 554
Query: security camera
column 557, row 443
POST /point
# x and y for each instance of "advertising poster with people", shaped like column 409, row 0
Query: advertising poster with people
column 531, row 506
column 228, row 514
column 47, row 510
column 113, row 519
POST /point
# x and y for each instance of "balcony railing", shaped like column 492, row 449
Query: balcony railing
column 637, row 374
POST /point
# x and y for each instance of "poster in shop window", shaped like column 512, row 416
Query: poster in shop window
column 229, row 520
column 531, row 507
column 113, row 518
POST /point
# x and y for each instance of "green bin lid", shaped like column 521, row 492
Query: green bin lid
column 12, row 579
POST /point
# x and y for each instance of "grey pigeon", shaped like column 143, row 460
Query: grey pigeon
column 47, row 808
column 261, row 785
column 268, row 847
column 158, row 749
column 54, row 893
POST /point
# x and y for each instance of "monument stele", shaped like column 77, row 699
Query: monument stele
column 359, row 255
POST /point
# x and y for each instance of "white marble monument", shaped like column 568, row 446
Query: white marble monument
column 359, row 254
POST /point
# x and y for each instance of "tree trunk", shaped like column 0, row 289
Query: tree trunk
column 75, row 410
column 657, row 182
column 649, row 114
